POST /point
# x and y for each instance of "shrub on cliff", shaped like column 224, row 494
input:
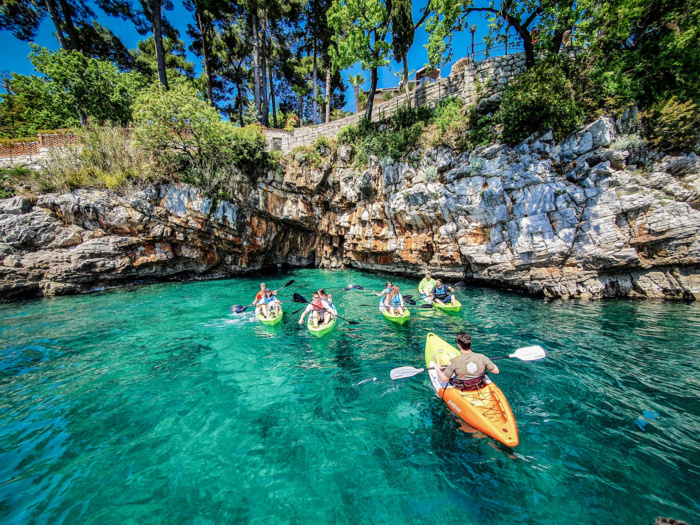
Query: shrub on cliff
column 673, row 125
column 541, row 98
column 394, row 138
column 105, row 159
column 187, row 136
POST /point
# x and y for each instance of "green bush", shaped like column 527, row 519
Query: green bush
column 399, row 135
column 105, row 159
column 13, row 178
column 674, row 125
column 187, row 136
column 541, row 98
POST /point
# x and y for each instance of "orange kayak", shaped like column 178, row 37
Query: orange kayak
column 486, row 409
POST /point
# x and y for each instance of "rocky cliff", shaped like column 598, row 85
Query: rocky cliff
column 574, row 219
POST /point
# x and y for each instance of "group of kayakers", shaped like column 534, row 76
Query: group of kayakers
column 434, row 290
column 464, row 372
column 321, row 306
column 322, row 309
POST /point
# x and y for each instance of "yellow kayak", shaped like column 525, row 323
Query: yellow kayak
column 486, row 409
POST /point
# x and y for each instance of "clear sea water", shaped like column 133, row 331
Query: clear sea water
column 155, row 404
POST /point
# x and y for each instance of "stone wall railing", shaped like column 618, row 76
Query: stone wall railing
column 467, row 83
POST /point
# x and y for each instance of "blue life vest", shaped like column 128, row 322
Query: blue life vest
column 268, row 300
column 440, row 292
column 396, row 300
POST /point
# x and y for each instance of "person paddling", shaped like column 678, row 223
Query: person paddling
column 469, row 368
column 394, row 302
column 442, row 293
column 260, row 295
column 387, row 289
column 269, row 305
column 319, row 309
column 328, row 300
column 425, row 287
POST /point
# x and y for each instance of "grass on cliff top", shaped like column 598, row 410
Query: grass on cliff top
column 449, row 124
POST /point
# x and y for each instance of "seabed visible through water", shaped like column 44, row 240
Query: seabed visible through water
column 155, row 404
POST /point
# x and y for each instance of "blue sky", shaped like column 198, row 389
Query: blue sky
column 13, row 58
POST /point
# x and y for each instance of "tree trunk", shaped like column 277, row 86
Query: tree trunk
column 272, row 99
column 203, row 30
column 158, row 38
column 256, row 65
column 263, row 73
column 328, row 93
column 314, row 106
column 51, row 7
column 240, row 104
column 357, row 98
column 405, row 74
column 370, row 97
column 300, row 109
column 529, row 51
column 68, row 17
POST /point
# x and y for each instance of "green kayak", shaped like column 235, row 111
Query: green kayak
column 270, row 321
column 399, row 319
column 322, row 329
column 449, row 307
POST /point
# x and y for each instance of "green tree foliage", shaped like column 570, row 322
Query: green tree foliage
column 645, row 50
column 176, row 63
column 360, row 30
column 74, row 24
column 71, row 88
column 188, row 136
column 540, row 99
column 552, row 20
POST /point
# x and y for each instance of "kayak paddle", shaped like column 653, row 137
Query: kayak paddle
column 529, row 353
column 239, row 308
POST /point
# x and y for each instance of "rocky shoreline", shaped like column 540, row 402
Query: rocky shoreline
column 584, row 218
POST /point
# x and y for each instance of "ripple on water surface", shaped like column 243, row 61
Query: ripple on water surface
column 155, row 404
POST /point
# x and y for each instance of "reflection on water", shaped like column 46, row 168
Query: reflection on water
column 155, row 404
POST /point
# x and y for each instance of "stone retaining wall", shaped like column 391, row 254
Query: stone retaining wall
column 469, row 83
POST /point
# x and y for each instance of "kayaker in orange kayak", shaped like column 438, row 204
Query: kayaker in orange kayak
column 469, row 368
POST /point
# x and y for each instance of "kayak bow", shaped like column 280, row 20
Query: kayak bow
column 322, row 329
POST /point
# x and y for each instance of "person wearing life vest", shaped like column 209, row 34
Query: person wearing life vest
column 394, row 301
column 442, row 293
column 328, row 300
column 319, row 310
column 260, row 296
column 387, row 289
column 269, row 305
column 425, row 287
column 468, row 368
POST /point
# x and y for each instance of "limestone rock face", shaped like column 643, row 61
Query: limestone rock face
column 89, row 240
column 572, row 219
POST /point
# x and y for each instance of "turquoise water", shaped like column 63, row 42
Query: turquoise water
column 154, row 404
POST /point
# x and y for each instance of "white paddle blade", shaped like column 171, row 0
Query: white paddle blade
column 529, row 353
column 405, row 371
